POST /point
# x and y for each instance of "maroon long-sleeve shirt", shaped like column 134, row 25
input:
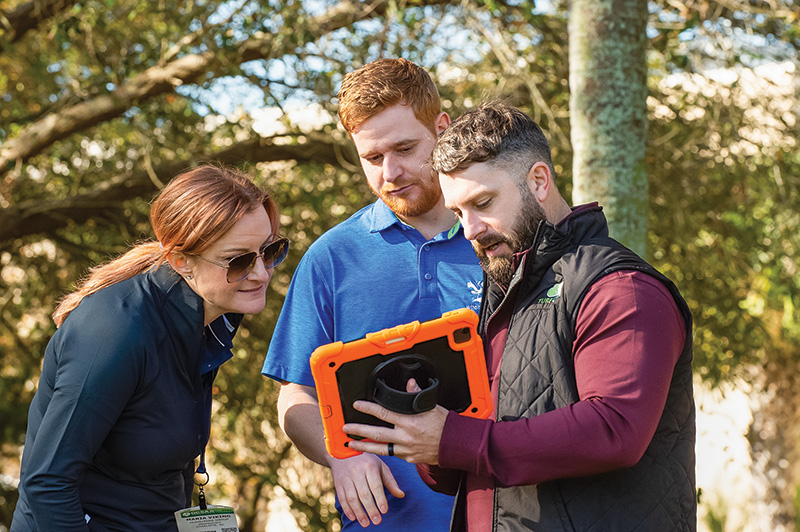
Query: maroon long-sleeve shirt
column 629, row 336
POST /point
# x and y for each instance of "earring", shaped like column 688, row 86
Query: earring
column 188, row 277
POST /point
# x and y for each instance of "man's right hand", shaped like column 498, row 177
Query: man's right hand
column 359, row 482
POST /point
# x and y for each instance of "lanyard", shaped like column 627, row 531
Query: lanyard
column 201, row 467
column 201, row 470
column 216, row 352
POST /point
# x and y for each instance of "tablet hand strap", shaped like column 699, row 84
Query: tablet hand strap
column 388, row 382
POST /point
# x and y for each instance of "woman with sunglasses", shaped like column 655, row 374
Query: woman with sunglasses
column 124, row 400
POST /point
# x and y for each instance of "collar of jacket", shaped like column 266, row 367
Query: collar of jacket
column 183, row 308
column 552, row 241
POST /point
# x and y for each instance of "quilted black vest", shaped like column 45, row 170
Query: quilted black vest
column 537, row 375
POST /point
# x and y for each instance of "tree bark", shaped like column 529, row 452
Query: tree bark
column 608, row 112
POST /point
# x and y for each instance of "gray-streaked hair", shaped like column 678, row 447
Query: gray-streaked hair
column 496, row 133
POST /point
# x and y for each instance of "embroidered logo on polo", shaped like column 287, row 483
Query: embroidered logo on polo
column 476, row 291
column 552, row 294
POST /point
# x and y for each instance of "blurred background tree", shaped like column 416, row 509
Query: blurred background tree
column 103, row 101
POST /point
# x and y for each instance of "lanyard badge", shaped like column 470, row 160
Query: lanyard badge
column 205, row 517
column 211, row 519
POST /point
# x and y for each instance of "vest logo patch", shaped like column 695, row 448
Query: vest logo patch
column 552, row 294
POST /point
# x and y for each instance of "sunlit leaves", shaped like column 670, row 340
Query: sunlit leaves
column 724, row 199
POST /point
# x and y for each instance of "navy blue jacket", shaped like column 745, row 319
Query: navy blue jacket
column 122, row 409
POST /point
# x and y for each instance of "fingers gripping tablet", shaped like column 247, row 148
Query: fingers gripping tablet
column 444, row 356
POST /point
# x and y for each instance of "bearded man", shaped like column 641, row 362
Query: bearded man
column 589, row 355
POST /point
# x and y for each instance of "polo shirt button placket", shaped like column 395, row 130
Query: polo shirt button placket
column 427, row 287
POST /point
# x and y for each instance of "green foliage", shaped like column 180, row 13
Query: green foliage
column 723, row 204
column 715, row 520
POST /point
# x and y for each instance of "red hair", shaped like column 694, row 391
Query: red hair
column 383, row 83
column 188, row 215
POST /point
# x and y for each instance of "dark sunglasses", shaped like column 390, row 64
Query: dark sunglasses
column 240, row 266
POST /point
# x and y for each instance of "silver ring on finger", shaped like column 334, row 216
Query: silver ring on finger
column 391, row 449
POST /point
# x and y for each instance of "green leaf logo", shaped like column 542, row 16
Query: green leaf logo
column 555, row 290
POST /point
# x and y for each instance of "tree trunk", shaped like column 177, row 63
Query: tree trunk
column 608, row 113
column 773, row 437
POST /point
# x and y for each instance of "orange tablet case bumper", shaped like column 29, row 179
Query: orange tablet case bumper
column 446, row 353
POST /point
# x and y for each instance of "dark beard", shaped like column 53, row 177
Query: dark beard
column 501, row 269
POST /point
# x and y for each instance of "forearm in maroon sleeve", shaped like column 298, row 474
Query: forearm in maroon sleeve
column 629, row 336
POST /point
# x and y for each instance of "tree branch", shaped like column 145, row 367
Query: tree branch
column 47, row 216
column 164, row 78
column 27, row 16
column 53, row 127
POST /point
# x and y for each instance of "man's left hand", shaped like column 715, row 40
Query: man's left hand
column 414, row 438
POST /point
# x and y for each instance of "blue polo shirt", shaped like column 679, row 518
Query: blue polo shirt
column 368, row 273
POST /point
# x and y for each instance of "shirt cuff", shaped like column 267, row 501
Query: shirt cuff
column 463, row 438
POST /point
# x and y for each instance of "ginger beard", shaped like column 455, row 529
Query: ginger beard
column 423, row 196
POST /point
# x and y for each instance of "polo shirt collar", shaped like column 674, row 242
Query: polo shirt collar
column 218, row 344
column 188, row 311
column 382, row 217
